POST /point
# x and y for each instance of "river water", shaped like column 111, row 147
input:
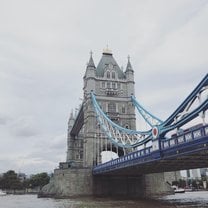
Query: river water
column 185, row 200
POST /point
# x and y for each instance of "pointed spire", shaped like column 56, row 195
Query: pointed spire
column 71, row 114
column 91, row 62
column 71, row 119
column 129, row 67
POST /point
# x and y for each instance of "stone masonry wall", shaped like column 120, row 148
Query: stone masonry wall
column 69, row 182
column 156, row 185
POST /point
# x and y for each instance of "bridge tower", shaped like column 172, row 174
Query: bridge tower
column 113, row 88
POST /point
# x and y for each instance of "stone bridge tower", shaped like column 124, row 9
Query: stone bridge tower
column 113, row 88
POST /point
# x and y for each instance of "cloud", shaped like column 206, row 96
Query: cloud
column 44, row 47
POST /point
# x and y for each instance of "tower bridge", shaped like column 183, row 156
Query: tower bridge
column 106, row 122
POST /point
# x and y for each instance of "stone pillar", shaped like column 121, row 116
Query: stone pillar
column 113, row 186
column 156, row 185
column 89, row 135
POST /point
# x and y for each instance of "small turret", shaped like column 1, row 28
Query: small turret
column 71, row 121
column 91, row 62
column 90, row 70
column 130, row 77
column 89, row 83
column 129, row 67
column 129, row 71
column 70, row 140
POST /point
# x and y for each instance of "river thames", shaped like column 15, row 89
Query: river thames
column 185, row 200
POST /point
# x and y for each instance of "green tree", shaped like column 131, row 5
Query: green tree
column 39, row 180
column 10, row 181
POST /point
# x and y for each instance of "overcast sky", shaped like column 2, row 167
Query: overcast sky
column 44, row 48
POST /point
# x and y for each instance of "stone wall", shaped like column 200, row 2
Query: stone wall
column 80, row 182
column 118, row 186
column 156, row 185
column 69, row 182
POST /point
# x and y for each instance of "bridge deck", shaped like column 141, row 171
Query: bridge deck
column 186, row 151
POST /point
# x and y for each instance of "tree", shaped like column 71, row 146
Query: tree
column 10, row 181
column 39, row 180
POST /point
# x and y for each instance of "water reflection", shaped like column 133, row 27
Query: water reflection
column 185, row 200
column 189, row 199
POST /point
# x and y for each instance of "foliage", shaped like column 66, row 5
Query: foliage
column 10, row 180
column 39, row 179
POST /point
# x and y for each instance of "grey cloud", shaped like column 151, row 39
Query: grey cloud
column 4, row 120
column 44, row 47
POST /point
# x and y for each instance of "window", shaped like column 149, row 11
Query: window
column 103, row 84
column 119, row 85
column 108, row 84
column 108, row 74
column 113, row 75
column 123, row 110
column 112, row 107
column 114, row 85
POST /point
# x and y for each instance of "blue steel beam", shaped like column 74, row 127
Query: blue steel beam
column 128, row 131
column 143, row 112
column 186, row 119
column 188, row 150
column 163, row 127
column 170, row 119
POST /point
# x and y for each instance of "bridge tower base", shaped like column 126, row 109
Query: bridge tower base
column 72, row 182
column 69, row 182
column 158, row 184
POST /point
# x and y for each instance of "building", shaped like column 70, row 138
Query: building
column 113, row 88
column 86, row 142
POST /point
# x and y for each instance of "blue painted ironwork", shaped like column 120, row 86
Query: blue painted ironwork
column 118, row 135
column 128, row 138
column 182, row 115
column 148, row 117
column 191, row 141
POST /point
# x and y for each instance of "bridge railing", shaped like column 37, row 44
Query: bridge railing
column 147, row 154
column 188, row 135
column 123, row 161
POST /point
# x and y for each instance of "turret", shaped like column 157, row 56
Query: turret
column 89, row 77
column 70, row 140
column 71, row 121
column 129, row 77
column 129, row 71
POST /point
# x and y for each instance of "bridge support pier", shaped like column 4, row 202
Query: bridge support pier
column 80, row 182
column 148, row 186
column 157, row 184
column 116, row 186
column 69, row 182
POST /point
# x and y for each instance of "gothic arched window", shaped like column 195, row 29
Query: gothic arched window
column 108, row 85
column 113, row 75
column 123, row 109
column 108, row 74
column 114, row 85
column 103, row 84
